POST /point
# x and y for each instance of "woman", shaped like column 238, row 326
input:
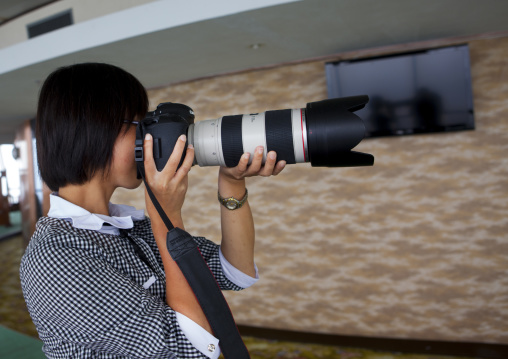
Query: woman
column 97, row 277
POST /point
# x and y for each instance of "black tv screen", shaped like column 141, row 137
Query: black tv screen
column 421, row 92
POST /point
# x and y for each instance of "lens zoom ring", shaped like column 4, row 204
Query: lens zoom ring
column 231, row 136
column 279, row 135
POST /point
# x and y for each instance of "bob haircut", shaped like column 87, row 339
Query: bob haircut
column 81, row 111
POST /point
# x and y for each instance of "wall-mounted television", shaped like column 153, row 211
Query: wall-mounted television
column 411, row 93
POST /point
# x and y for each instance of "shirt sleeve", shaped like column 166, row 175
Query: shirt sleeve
column 227, row 276
column 205, row 342
column 77, row 298
column 235, row 275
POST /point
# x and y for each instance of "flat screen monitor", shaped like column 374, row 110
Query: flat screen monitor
column 412, row 93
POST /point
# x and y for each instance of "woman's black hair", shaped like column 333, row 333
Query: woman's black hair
column 82, row 110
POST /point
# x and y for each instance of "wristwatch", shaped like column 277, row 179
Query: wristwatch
column 232, row 203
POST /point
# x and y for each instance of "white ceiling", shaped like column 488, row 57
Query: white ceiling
column 161, row 49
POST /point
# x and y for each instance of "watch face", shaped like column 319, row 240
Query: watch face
column 231, row 204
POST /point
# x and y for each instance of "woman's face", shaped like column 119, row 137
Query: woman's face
column 123, row 171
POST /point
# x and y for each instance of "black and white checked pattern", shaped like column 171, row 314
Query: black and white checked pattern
column 84, row 291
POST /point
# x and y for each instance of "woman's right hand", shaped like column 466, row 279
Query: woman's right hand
column 169, row 185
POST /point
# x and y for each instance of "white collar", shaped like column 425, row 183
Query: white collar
column 122, row 216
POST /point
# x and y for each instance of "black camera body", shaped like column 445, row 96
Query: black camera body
column 168, row 122
column 323, row 134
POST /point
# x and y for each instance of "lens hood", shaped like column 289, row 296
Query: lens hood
column 333, row 130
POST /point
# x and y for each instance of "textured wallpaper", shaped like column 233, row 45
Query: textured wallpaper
column 414, row 247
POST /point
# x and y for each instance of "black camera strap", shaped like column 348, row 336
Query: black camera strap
column 185, row 252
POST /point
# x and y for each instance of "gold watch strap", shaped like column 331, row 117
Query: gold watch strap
column 232, row 203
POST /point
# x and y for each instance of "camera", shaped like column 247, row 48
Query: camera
column 323, row 134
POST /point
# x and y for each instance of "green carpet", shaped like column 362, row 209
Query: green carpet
column 14, row 345
column 19, row 346
column 263, row 349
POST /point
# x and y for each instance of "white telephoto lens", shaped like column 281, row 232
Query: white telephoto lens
column 244, row 133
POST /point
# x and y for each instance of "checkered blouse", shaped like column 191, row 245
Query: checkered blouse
column 95, row 295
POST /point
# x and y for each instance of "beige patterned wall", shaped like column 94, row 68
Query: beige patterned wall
column 414, row 247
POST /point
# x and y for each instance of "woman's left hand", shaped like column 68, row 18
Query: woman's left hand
column 238, row 226
column 256, row 168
